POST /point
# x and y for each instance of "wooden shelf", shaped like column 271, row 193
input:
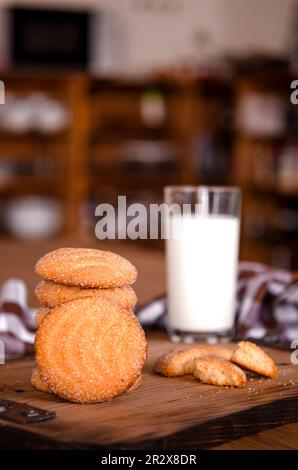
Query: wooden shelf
column 273, row 192
column 32, row 185
column 29, row 146
column 135, row 180
column 98, row 117
column 65, row 150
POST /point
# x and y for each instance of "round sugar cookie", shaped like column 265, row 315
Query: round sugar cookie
column 51, row 294
column 86, row 267
column 89, row 351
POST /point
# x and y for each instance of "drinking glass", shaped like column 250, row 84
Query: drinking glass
column 202, row 244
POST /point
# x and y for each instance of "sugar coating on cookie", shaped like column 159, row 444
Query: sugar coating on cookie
column 40, row 314
column 40, row 385
column 136, row 384
column 89, row 351
column 251, row 357
column 37, row 381
column 220, row 372
column 86, row 267
column 52, row 294
column 182, row 361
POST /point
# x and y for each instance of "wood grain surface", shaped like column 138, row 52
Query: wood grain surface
column 162, row 412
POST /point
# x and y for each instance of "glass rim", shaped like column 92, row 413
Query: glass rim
column 195, row 189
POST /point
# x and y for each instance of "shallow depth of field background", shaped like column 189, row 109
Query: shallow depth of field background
column 157, row 92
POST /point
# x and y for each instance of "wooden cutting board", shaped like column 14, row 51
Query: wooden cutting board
column 164, row 413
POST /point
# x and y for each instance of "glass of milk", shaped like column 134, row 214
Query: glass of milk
column 202, row 244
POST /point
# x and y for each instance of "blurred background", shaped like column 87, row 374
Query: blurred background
column 109, row 97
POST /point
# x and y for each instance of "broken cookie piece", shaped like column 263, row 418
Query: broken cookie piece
column 182, row 361
column 219, row 372
column 251, row 357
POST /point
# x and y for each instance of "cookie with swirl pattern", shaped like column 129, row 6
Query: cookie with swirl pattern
column 89, row 351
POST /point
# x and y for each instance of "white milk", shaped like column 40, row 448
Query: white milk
column 201, row 272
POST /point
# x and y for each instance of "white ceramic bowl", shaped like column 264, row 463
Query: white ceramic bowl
column 33, row 217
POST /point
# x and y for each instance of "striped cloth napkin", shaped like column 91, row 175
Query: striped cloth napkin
column 17, row 325
column 266, row 310
column 266, row 307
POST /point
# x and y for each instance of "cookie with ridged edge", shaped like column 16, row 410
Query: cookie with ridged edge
column 251, row 357
column 182, row 361
column 89, row 351
column 136, row 384
column 37, row 382
column 40, row 314
column 219, row 372
column 86, row 267
column 51, row 294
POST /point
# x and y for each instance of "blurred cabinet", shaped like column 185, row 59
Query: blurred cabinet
column 266, row 166
column 146, row 134
column 43, row 139
column 43, row 136
column 84, row 140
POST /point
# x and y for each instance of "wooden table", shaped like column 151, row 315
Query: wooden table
column 18, row 260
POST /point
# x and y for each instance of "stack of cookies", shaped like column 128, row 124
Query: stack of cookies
column 89, row 345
